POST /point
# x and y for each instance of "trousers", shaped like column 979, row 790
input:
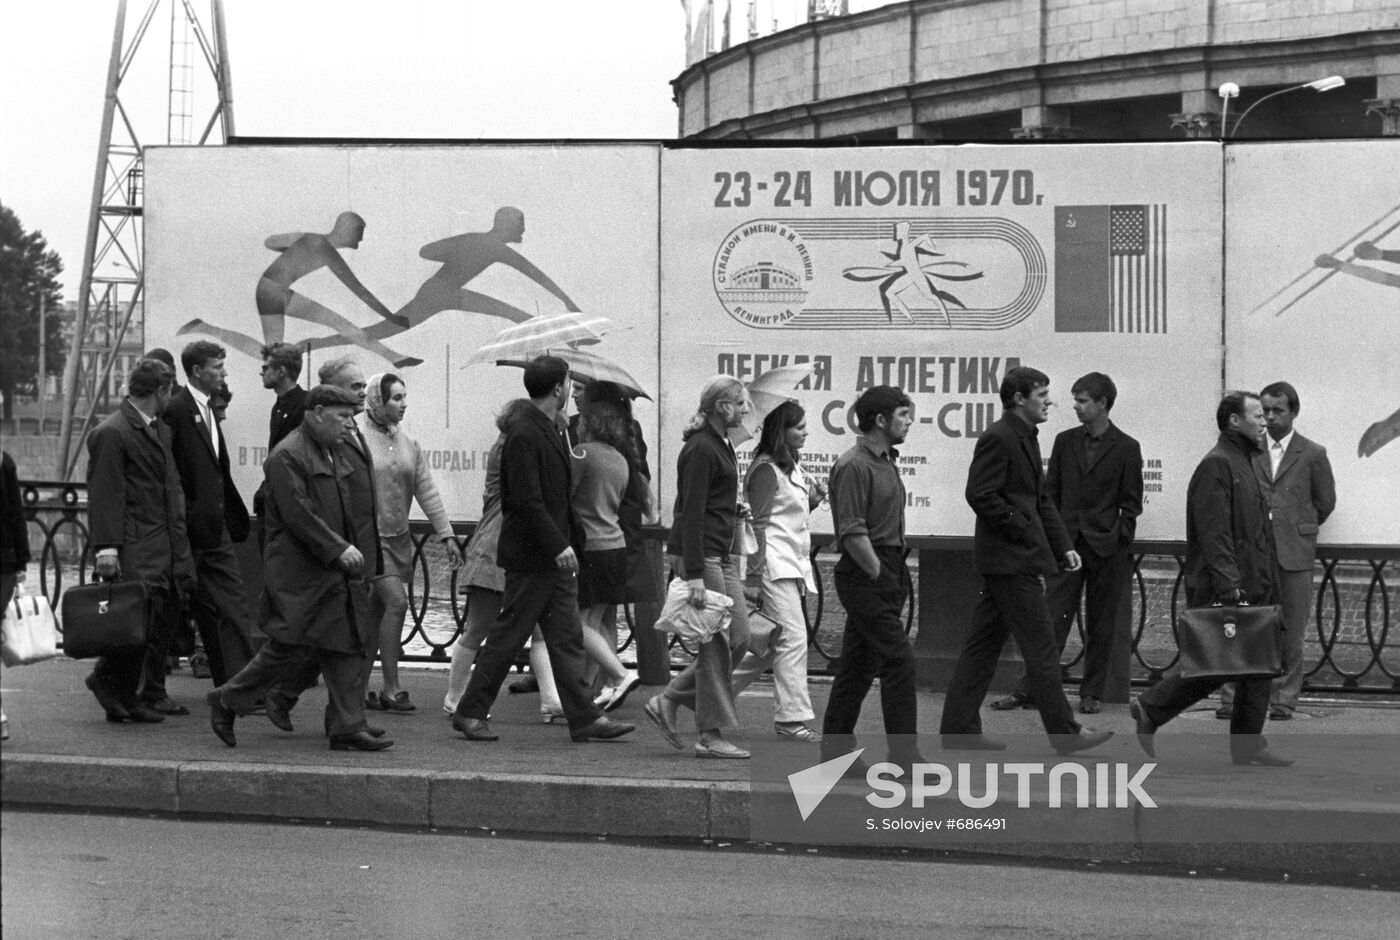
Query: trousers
column 706, row 684
column 275, row 661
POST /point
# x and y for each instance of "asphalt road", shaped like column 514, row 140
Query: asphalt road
column 73, row 876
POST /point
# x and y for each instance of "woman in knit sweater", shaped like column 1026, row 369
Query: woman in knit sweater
column 401, row 475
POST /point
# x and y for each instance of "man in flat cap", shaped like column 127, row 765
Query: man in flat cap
column 315, row 602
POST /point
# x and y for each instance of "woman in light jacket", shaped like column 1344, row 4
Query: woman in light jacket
column 781, row 497
column 401, row 475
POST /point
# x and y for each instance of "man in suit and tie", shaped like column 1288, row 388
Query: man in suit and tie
column 537, row 551
column 1297, row 481
column 1019, row 539
column 216, row 518
column 1095, row 480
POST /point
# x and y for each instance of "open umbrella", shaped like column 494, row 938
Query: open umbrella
column 590, row 367
column 539, row 334
column 767, row 392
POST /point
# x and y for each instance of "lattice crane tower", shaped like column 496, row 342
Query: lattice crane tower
column 113, row 273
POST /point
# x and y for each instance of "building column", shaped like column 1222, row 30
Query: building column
column 1199, row 117
column 1043, row 122
column 1388, row 110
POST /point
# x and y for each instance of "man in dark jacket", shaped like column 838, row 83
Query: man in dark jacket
column 1095, row 481
column 1019, row 539
column 537, row 551
column 1230, row 559
column 280, row 370
column 216, row 518
column 315, row 603
column 136, row 519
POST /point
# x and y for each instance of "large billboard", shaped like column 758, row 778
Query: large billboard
column 408, row 258
column 937, row 269
column 1313, row 299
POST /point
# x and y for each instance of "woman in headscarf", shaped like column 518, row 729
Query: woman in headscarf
column 401, row 475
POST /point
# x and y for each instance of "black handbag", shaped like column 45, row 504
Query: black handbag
column 1229, row 642
column 105, row 618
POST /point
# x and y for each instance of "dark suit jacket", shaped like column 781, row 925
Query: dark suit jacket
column 536, row 522
column 1100, row 501
column 1018, row 528
column 1229, row 543
column 1300, row 498
column 317, row 505
column 286, row 416
column 134, row 504
column 212, row 503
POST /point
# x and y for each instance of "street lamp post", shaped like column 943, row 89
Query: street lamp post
column 1319, row 84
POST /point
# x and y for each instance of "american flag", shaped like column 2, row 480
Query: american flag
column 1137, row 248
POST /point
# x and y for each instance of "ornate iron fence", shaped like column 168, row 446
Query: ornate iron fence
column 1350, row 644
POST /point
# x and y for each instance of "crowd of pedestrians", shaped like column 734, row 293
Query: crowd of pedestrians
column 559, row 547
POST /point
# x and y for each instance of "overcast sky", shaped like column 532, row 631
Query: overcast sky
column 329, row 68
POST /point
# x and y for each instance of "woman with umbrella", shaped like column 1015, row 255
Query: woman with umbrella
column 401, row 475
column 702, row 534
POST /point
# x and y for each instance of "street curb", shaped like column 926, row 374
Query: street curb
column 630, row 808
column 543, row 804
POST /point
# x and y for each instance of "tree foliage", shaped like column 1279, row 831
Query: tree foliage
column 28, row 274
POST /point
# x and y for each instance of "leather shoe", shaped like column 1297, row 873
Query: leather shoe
column 971, row 742
column 1083, row 741
column 1263, row 757
column 143, row 714
column 601, row 729
column 107, row 697
column 167, row 707
column 1279, row 713
column 221, row 718
column 1013, row 701
column 1145, row 727
column 359, row 741
column 371, row 730
column 1088, row 705
column 1225, row 712
column 474, row 729
column 277, row 712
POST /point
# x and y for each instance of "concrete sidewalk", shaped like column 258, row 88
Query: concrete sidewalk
column 62, row 753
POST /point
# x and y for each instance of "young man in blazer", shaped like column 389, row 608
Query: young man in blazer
column 1297, row 481
column 538, row 553
column 216, row 518
column 1019, row 539
column 1095, row 480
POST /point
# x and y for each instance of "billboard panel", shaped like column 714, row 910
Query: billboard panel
column 1313, row 299
column 408, row 258
column 937, row 269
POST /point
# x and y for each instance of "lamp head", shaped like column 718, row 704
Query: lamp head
column 1328, row 83
column 1229, row 90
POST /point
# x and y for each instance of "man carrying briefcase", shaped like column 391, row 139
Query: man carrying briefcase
column 136, row 514
column 1230, row 559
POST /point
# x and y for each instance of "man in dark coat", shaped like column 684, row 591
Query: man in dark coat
column 537, row 551
column 1230, row 559
column 216, row 518
column 1019, row 539
column 136, row 519
column 1095, row 481
column 315, row 603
